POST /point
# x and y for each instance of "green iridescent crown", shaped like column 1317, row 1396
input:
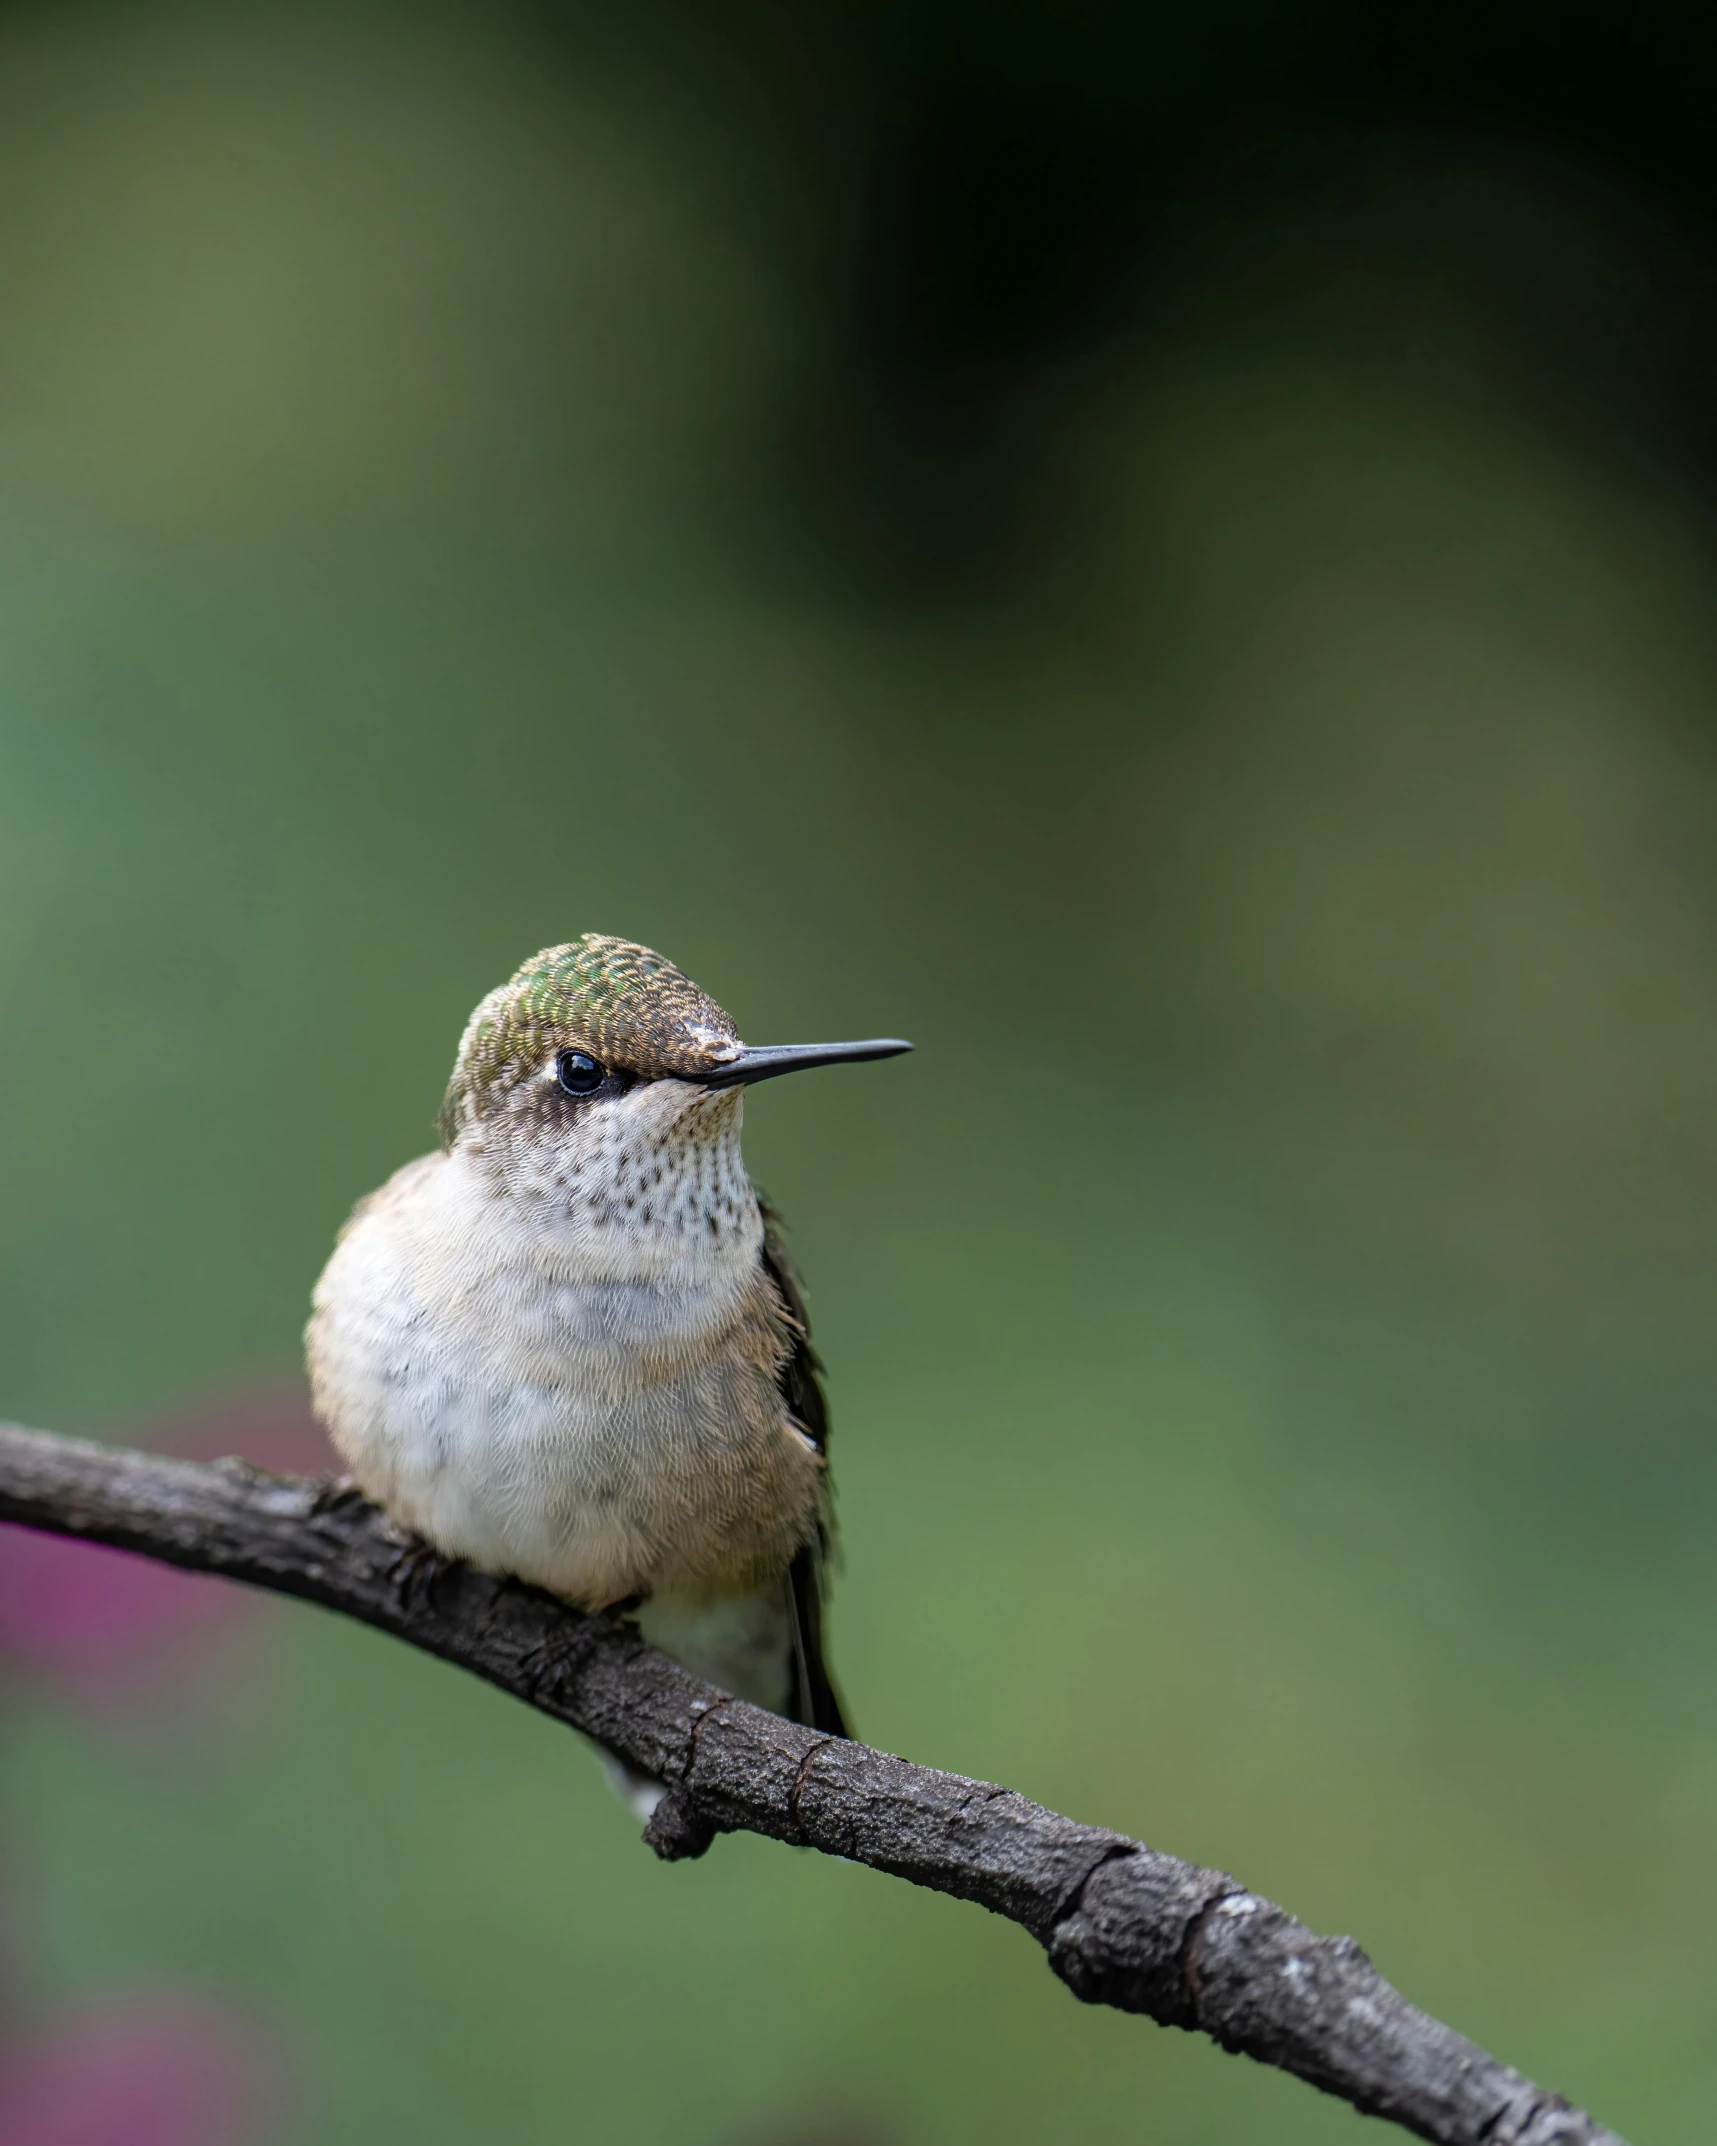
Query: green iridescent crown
column 621, row 1002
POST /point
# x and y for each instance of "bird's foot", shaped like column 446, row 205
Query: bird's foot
column 412, row 1574
column 562, row 1651
column 336, row 1494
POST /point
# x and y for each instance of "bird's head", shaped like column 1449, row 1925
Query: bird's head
column 602, row 1081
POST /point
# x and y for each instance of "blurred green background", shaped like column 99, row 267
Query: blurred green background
column 1172, row 564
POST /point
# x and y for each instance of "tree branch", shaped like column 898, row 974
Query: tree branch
column 1122, row 1924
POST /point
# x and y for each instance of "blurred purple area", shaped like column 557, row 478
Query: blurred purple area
column 153, row 2067
column 94, row 1620
column 143, row 2070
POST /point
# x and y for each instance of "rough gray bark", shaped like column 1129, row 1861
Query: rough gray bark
column 1122, row 1924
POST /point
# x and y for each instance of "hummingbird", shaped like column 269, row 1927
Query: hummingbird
column 569, row 1346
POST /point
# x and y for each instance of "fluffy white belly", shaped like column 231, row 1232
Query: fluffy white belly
column 601, row 1437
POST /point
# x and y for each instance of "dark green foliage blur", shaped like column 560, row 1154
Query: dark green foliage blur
column 456, row 493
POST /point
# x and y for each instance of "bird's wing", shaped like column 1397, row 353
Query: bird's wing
column 814, row 1700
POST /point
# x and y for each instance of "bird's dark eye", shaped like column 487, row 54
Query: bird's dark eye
column 579, row 1073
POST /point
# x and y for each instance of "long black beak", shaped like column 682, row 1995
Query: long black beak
column 776, row 1058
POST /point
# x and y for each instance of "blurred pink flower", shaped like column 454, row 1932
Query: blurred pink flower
column 142, row 2071
column 91, row 1615
column 94, row 1618
column 151, row 2069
